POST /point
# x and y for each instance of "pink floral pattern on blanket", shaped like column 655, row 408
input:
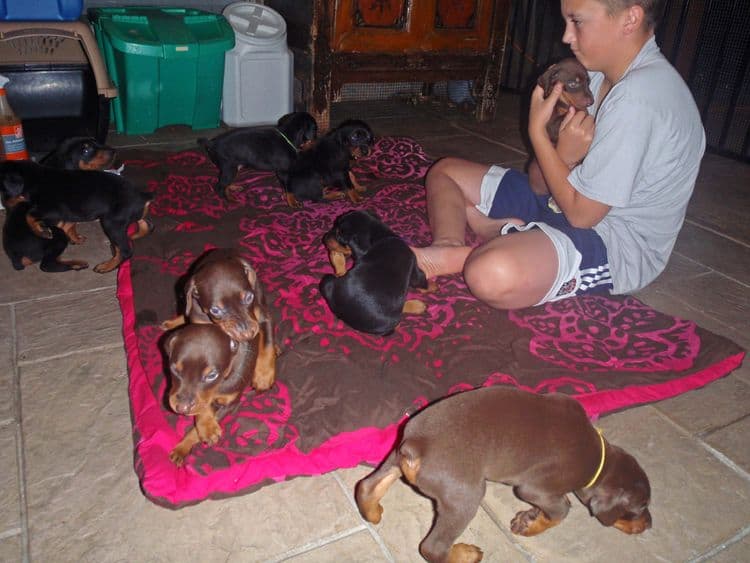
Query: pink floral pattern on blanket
column 602, row 334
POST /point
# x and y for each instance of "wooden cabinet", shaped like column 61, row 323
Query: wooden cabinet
column 337, row 42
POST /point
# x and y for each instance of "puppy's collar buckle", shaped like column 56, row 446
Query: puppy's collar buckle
column 601, row 462
column 291, row 144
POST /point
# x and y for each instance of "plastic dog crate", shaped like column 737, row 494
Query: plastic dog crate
column 59, row 86
column 168, row 64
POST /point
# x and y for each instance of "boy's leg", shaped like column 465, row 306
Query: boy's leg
column 453, row 190
column 513, row 271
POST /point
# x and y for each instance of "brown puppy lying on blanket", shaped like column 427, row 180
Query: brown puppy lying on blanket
column 209, row 372
column 223, row 289
column 542, row 445
column 576, row 92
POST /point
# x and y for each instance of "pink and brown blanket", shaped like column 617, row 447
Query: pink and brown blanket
column 340, row 394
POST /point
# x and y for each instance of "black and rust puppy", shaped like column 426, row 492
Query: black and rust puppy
column 60, row 198
column 209, row 372
column 80, row 153
column 576, row 92
column 371, row 296
column 542, row 445
column 261, row 148
column 24, row 248
column 222, row 288
column 324, row 171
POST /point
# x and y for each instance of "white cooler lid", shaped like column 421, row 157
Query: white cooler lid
column 255, row 24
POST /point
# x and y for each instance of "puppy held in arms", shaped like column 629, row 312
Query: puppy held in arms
column 543, row 446
column 371, row 296
column 576, row 92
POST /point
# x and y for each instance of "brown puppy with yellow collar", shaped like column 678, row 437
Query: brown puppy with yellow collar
column 542, row 445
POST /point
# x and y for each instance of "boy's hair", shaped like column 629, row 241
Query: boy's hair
column 652, row 9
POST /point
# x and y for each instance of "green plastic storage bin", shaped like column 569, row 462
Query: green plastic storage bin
column 167, row 63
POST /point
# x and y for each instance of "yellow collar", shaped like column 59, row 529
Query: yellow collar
column 601, row 462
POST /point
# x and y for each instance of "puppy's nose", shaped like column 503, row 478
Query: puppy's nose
column 184, row 405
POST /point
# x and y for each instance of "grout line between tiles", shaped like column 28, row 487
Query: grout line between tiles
column 715, row 232
column 316, row 544
column 20, row 456
column 370, row 528
column 71, row 353
column 58, row 295
column 491, row 140
column 711, row 553
column 710, row 449
column 505, row 532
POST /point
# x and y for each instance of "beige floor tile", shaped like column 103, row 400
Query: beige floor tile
column 408, row 516
column 697, row 502
column 10, row 507
column 32, row 283
column 714, row 406
column 734, row 442
column 714, row 251
column 359, row 547
column 680, row 268
column 7, row 374
column 10, row 549
column 84, row 500
column 66, row 323
column 470, row 148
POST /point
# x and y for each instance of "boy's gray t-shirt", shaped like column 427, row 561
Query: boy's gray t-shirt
column 643, row 162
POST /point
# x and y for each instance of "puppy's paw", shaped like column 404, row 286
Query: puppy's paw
column 531, row 522
column 178, row 455
column 77, row 264
column 209, row 431
column 263, row 379
column 464, row 553
column 232, row 193
column 45, row 232
column 414, row 307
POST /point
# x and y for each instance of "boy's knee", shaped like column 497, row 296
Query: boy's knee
column 442, row 167
column 490, row 278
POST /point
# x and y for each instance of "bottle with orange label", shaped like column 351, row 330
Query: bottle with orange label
column 13, row 145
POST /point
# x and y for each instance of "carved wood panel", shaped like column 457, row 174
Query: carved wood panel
column 378, row 26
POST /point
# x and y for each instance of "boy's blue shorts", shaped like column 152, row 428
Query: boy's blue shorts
column 582, row 256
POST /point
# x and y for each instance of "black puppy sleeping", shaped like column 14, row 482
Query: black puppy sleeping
column 261, row 148
column 324, row 171
column 371, row 296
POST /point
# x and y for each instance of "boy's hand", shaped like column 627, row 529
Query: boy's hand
column 540, row 111
column 576, row 134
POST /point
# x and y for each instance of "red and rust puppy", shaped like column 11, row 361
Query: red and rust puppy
column 223, row 289
column 371, row 296
column 261, row 148
column 61, row 198
column 209, row 372
column 576, row 92
column 542, row 445
column 324, row 171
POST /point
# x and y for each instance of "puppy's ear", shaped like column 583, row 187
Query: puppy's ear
column 252, row 277
column 169, row 343
column 191, row 294
column 548, row 79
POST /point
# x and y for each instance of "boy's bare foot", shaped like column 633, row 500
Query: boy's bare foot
column 441, row 259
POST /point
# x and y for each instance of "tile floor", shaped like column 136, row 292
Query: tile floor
column 68, row 491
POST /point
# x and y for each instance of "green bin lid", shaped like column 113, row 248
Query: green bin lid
column 164, row 32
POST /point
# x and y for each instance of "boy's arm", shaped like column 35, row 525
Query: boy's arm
column 580, row 211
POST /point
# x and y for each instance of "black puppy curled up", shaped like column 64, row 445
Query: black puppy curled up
column 260, row 148
column 327, row 165
column 371, row 296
